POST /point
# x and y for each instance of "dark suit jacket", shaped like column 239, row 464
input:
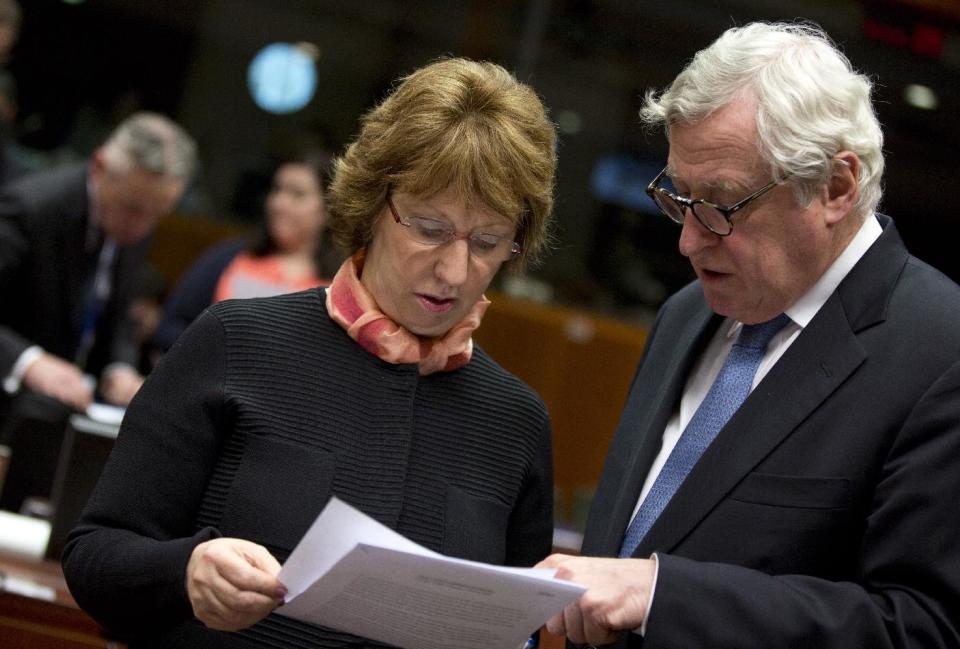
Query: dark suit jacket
column 824, row 515
column 44, row 271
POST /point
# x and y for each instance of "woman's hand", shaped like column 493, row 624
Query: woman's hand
column 232, row 583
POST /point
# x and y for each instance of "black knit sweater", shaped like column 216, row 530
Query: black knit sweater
column 262, row 411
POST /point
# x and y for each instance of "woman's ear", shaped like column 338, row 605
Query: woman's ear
column 842, row 189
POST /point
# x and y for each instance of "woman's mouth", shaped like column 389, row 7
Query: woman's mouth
column 437, row 305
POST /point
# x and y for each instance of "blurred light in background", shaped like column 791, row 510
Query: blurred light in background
column 569, row 122
column 920, row 96
column 283, row 76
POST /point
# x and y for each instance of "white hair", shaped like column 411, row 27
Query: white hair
column 151, row 142
column 811, row 103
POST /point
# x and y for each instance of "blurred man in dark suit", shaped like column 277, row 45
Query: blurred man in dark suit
column 10, row 18
column 785, row 470
column 71, row 241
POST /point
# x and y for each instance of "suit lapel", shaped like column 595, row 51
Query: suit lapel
column 644, row 418
column 818, row 361
column 821, row 358
column 71, row 250
column 73, row 287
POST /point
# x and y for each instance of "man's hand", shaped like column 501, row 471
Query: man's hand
column 56, row 378
column 119, row 383
column 617, row 597
column 232, row 583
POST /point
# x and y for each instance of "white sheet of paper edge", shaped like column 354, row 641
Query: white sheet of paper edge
column 105, row 413
column 355, row 575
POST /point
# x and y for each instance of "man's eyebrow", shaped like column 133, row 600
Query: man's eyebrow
column 720, row 185
column 726, row 186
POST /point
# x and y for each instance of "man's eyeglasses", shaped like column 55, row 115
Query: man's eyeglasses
column 434, row 232
column 713, row 217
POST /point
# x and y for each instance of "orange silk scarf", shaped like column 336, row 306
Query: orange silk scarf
column 352, row 306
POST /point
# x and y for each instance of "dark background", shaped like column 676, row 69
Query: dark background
column 83, row 66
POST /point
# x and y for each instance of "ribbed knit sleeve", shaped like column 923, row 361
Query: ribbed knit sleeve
column 126, row 560
column 530, row 532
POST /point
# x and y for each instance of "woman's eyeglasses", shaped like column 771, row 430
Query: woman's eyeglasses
column 434, row 232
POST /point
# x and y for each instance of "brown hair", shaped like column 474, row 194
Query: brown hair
column 453, row 123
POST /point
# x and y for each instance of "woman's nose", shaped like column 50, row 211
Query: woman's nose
column 453, row 264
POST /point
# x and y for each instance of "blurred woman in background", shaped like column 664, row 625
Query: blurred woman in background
column 290, row 253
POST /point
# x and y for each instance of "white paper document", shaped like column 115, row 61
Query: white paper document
column 352, row 574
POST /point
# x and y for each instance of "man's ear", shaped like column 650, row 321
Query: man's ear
column 842, row 189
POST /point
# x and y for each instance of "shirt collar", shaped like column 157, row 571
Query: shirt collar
column 810, row 303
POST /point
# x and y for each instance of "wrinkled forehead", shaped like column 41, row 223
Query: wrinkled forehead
column 714, row 181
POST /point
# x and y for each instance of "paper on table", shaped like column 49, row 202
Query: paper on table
column 105, row 413
column 355, row 575
column 23, row 535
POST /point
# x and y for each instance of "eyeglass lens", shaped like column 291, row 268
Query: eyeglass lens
column 434, row 232
column 709, row 216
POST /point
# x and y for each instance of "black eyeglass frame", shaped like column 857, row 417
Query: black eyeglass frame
column 515, row 248
column 684, row 203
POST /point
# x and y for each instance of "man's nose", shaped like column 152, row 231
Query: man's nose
column 694, row 235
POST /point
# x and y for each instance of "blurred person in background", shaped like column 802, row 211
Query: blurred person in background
column 290, row 253
column 71, row 242
column 146, row 309
column 370, row 390
column 10, row 18
column 15, row 161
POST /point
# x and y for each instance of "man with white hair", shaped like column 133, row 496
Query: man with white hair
column 71, row 241
column 785, row 468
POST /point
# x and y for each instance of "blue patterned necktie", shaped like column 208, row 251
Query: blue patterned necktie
column 728, row 391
